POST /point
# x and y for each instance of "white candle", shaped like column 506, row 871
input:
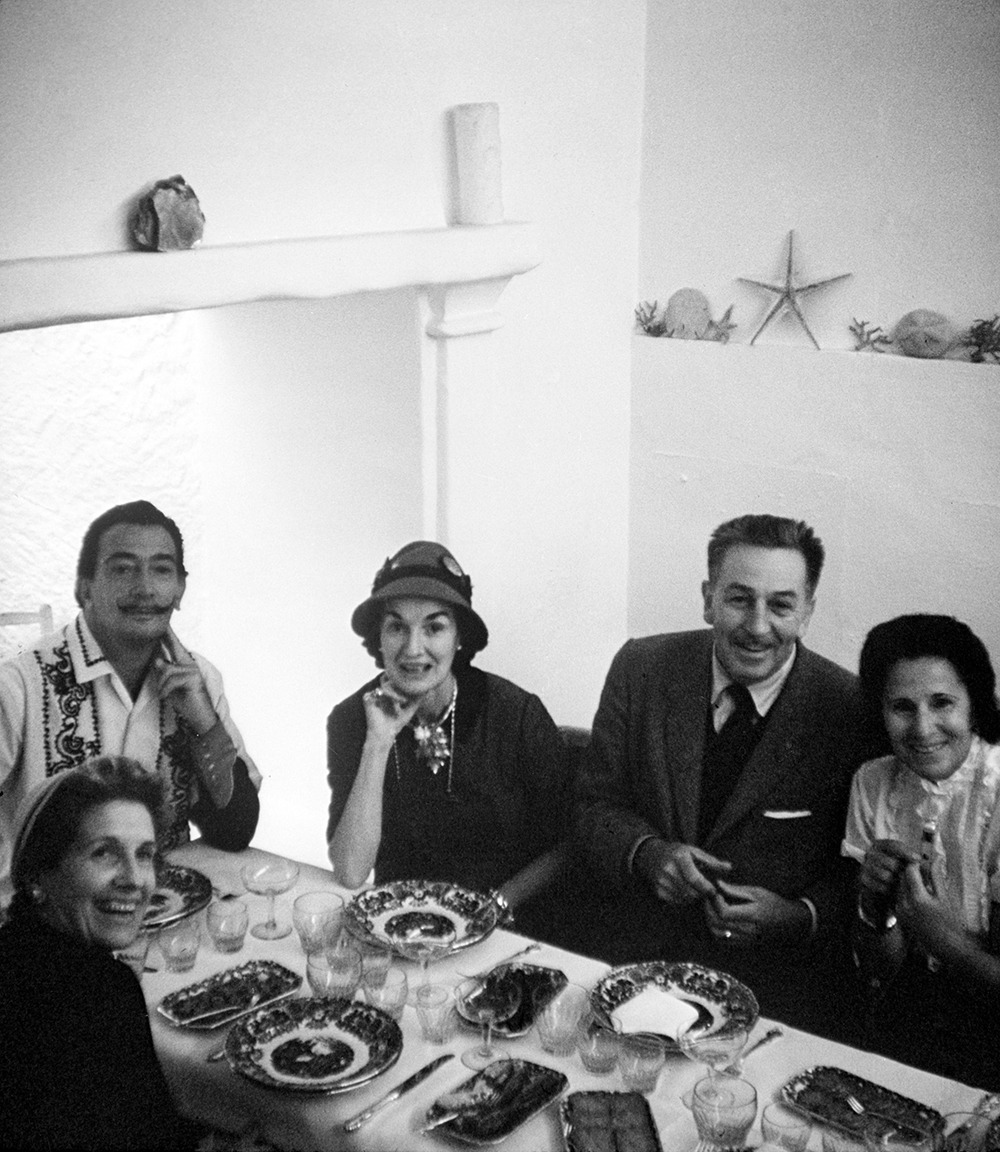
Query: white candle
column 479, row 198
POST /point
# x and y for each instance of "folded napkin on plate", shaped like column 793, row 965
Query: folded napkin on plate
column 656, row 1010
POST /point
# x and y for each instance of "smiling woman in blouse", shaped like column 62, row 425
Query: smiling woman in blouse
column 924, row 824
column 439, row 771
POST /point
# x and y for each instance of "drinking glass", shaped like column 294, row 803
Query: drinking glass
column 436, row 1012
column 724, row 1108
column 270, row 878
column 557, row 1019
column 716, row 1050
column 425, row 947
column 227, row 922
column 179, row 944
column 598, row 1045
column 375, row 962
column 390, row 993
column 487, row 1002
column 641, row 1057
column 317, row 919
column 334, row 972
column 784, row 1129
column 135, row 954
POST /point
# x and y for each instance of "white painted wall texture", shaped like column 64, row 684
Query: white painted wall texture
column 301, row 117
column 874, row 131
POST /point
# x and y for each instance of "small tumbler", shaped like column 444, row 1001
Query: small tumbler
column 436, row 1012
column 227, row 922
column 179, row 944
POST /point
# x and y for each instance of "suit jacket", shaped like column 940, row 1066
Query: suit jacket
column 781, row 826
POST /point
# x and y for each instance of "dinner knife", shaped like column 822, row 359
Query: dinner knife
column 355, row 1122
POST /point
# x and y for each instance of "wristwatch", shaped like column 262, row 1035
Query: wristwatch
column 886, row 926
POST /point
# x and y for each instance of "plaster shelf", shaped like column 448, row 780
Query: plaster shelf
column 39, row 292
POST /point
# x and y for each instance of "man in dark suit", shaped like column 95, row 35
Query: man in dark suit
column 712, row 799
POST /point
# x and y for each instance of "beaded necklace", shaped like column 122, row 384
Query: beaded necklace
column 434, row 748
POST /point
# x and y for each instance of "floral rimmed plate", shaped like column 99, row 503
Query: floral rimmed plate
column 179, row 892
column 315, row 1045
column 229, row 994
column 821, row 1093
column 699, row 997
column 386, row 915
column 486, row 1108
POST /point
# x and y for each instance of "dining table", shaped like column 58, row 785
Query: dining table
column 213, row 1093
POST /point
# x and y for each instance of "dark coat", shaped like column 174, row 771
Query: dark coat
column 642, row 776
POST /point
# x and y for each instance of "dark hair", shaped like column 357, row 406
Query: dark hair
column 919, row 636
column 50, row 831
column 372, row 639
column 139, row 512
column 761, row 530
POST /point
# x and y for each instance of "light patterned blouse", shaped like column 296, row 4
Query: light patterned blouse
column 962, row 818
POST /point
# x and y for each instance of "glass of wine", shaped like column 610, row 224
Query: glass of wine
column 270, row 878
column 716, row 1050
column 486, row 1001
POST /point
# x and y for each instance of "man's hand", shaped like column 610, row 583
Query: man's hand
column 744, row 914
column 178, row 679
column 678, row 873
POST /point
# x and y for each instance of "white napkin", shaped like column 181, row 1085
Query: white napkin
column 655, row 1010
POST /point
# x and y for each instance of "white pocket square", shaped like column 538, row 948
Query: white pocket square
column 796, row 815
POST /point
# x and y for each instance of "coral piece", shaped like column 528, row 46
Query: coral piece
column 719, row 329
column 984, row 340
column 168, row 217
column 868, row 338
column 925, row 334
column 789, row 293
column 687, row 315
column 647, row 319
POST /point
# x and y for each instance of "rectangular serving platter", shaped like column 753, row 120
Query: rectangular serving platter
column 821, row 1093
column 233, row 988
column 587, row 1116
column 512, row 1093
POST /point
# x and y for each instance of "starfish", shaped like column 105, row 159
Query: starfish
column 789, row 293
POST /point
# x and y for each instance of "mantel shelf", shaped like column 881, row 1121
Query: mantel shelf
column 39, row 292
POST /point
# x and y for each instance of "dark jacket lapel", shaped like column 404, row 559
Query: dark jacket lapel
column 686, row 688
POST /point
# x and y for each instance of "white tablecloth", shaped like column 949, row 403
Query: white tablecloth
column 214, row 1094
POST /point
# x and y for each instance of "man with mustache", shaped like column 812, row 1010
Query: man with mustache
column 713, row 795
column 117, row 681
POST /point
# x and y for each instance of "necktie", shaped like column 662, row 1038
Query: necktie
column 725, row 754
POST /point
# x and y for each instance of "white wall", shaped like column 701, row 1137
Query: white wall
column 873, row 130
column 304, row 117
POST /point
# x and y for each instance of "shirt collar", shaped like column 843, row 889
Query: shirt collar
column 764, row 693
column 89, row 662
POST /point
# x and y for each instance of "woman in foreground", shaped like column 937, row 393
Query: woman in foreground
column 439, row 771
column 924, row 824
column 77, row 1064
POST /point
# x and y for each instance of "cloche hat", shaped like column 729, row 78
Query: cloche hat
column 426, row 571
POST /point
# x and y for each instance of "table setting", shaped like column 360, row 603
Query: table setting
column 403, row 1016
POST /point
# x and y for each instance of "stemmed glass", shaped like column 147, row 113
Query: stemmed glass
column 487, row 1002
column 423, row 947
column 716, row 1050
column 270, row 878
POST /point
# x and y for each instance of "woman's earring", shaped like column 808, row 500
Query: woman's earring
column 37, row 895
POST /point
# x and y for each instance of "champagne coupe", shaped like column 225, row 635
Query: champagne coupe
column 487, row 1001
column 423, row 947
column 270, row 878
column 716, row 1050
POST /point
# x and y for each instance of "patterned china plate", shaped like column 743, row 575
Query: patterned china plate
column 383, row 915
column 722, row 1003
column 180, row 892
column 315, row 1045
column 227, row 994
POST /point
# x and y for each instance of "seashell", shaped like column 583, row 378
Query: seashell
column 925, row 334
column 687, row 315
column 169, row 217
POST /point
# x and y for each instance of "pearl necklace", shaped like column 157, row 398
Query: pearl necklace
column 433, row 746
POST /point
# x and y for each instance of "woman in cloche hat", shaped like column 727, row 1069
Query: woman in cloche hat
column 439, row 771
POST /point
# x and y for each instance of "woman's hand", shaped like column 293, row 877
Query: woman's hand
column 387, row 712
column 924, row 918
column 881, row 872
